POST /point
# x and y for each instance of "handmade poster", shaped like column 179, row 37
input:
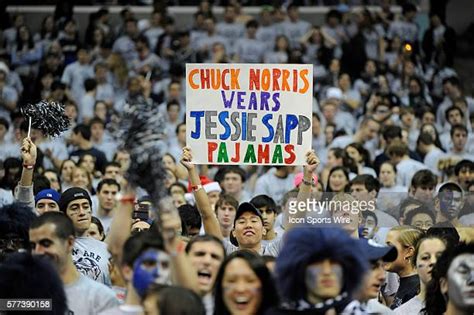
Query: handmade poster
column 249, row 113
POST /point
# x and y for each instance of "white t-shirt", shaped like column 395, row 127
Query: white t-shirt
column 91, row 258
column 406, row 169
column 88, row 297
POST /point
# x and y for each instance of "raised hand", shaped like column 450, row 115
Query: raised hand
column 187, row 158
column 312, row 161
column 28, row 152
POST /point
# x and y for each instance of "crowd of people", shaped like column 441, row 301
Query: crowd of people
column 391, row 128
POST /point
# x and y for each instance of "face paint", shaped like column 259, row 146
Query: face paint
column 450, row 204
column 461, row 282
column 324, row 281
column 152, row 266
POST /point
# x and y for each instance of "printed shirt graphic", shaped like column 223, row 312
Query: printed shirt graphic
column 91, row 258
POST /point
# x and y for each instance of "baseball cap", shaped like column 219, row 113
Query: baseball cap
column 72, row 194
column 375, row 251
column 47, row 194
column 247, row 207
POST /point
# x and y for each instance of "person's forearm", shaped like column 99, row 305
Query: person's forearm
column 120, row 227
column 183, row 273
column 211, row 225
column 303, row 195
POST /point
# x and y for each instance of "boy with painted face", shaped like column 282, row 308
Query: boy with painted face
column 451, row 291
column 326, row 265
column 448, row 204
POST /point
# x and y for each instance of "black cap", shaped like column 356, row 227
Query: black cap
column 72, row 194
column 375, row 251
column 247, row 207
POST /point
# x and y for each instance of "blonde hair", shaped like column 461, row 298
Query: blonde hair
column 408, row 236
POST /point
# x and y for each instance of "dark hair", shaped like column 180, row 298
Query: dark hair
column 206, row 238
column 179, row 126
column 83, row 130
column 422, row 209
column 64, row 228
column 424, row 179
column 40, row 182
column 171, row 103
column 143, row 39
column 139, row 243
column 176, row 300
column 450, row 109
column 257, row 264
column 334, row 169
column 425, row 138
column 180, row 185
column 435, row 299
column 436, row 140
column 4, row 122
column 362, row 151
column 26, row 276
column 251, row 23
column 234, row 169
column 226, row 198
column 398, row 149
column 113, row 163
column 393, row 167
column 408, row 202
column 463, row 164
column 96, row 120
column 339, row 153
column 90, row 84
column 107, row 181
column 391, row 132
column 15, row 219
column 261, row 201
column 370, row 182
column 458, row 127
column 100, row 227
column 190, row 216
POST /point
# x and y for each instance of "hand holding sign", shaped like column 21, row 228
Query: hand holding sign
column 186, row 159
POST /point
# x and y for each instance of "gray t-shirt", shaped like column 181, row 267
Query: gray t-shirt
column 86, row 296
column 271, row 249
column 91, row 258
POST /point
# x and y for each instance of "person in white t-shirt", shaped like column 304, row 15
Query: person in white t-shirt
column 406, row 167
column 52, row 235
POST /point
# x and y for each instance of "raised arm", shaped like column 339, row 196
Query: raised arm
column 182, row 271
column 24, row 190
column 121, row 223
column 312, row 162
column 209, row 219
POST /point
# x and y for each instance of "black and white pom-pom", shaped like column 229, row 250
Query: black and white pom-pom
column 48, row 117
column 142, row 130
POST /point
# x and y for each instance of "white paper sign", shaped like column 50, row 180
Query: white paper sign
column 249, row 113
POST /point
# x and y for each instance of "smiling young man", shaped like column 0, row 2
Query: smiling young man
column 52, row 235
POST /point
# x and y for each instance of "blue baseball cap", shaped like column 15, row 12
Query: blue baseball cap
column 375, row 251
column 47, row 194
